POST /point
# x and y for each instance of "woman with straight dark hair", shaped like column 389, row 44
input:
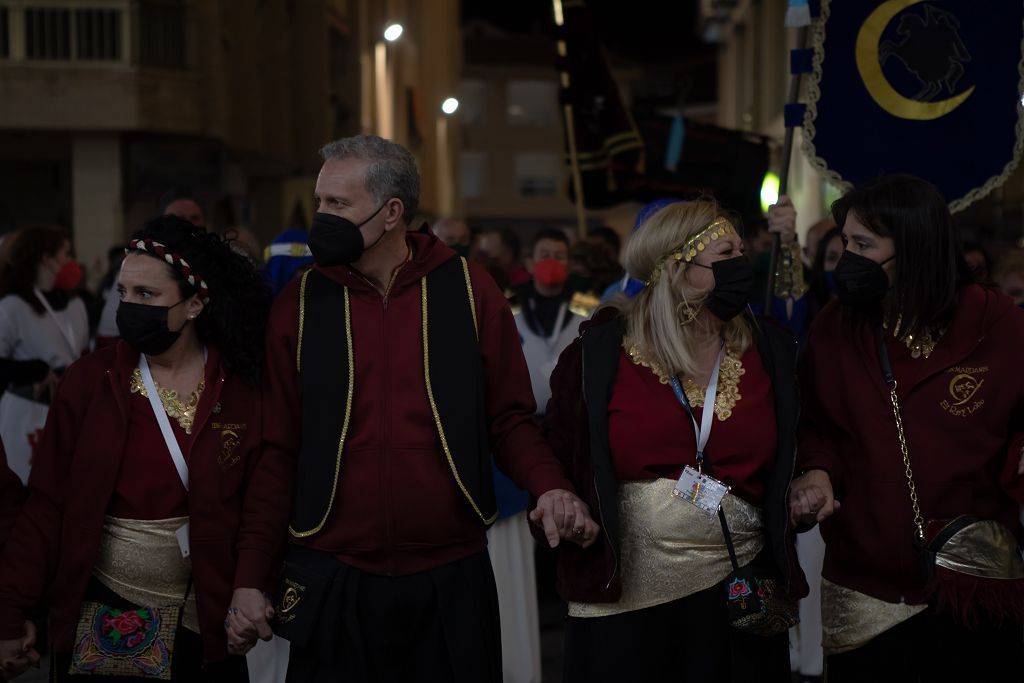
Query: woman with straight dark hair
column 910, row 450
column 145, row 530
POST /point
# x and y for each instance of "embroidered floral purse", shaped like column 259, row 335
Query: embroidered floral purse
column 756, row 599
column 123, row 642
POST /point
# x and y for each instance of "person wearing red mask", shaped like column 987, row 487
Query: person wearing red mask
column 546, row 325
column 40, row 320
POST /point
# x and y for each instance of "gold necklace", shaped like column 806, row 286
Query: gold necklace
column 921, row 345
column 184, row 413
column 730, row 372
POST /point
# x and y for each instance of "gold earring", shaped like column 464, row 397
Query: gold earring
column 686, row 313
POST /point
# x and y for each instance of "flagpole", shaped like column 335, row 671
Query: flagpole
column 577, row 177
column 787, row 155
column 570, row 132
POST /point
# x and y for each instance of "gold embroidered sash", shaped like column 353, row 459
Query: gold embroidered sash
column 669, row 549
column 849, row 619
column 140, row 560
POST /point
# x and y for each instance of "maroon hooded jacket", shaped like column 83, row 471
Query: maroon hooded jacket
column 52, row 549
column 963, row 415
column 397, row 508
column 12, row 494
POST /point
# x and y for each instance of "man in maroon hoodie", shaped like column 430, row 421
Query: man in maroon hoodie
column 394, row 372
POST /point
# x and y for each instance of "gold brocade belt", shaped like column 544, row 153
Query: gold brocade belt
column 141, row 561
column 670, row 549
column 849, row 619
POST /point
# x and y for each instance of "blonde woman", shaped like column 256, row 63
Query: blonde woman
column 648, row 601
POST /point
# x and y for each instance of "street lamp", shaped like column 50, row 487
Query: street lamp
column 393, row 32
column 449, row 106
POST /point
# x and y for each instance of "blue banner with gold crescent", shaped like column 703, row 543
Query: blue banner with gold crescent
column 928, row 87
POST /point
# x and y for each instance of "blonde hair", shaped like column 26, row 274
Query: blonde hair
column 662, row 321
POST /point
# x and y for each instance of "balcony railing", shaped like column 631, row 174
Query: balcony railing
column 94, row 32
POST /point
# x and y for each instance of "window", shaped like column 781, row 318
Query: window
column 5, row 27
column 162, row 34
column 69, row 33
column 98, row 34
column 47, row 33
column 472, row 102
column 538, row 174
column 532, row 103
column 472, row 174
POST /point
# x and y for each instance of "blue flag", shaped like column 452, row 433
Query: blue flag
column 931, row 88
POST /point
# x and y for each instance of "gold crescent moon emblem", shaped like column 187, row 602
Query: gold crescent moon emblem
column 881, row 91
column 290, row 599
column 963, row 388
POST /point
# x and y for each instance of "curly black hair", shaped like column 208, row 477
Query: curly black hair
column 235, row 319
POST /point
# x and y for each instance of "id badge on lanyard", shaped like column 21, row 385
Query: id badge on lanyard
column 694, row 485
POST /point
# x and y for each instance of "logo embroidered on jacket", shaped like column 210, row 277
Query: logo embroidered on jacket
column 963, row 391
column 229, row 441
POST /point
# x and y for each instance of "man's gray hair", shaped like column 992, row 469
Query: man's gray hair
column 390, row 169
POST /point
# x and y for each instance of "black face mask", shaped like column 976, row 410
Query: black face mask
column 734, row 285
column 860, row 282
column 336, row 241
column 145, row 327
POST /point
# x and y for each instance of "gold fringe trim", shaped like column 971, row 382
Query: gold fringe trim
column 472, row 300
column 302, row 320
column 433, row 408
column 344, row 425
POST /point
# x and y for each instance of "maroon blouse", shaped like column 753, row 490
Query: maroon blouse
column 652, row 436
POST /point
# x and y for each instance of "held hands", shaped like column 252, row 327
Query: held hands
column 564, row 516
column 17, row 655
column 811, row 499
column 782, row 220
column 248, row 619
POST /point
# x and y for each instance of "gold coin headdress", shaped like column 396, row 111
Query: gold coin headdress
column 693, row 246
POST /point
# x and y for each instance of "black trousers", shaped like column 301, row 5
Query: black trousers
column 187, row 665
column 438, row 625
column 685, row 641
column 932, row 648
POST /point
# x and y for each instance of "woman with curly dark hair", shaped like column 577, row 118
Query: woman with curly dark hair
column 143, row 525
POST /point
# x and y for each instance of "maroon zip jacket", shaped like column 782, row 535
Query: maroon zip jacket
column 963, row 415
column 54, row 544
column 12, row 494
column 398, row 509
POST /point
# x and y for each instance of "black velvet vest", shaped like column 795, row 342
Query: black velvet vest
column 453, row 381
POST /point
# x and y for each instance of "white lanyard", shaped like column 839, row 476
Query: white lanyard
column 703, row 433
column 65, row 331
column 165, row 424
